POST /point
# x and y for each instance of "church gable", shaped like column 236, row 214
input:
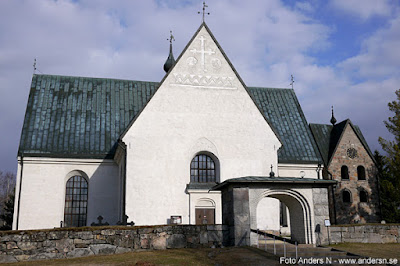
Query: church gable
column 204, row 71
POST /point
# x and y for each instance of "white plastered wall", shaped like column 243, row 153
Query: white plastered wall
column 42, row 196
column 196, row 103
column 297, row 170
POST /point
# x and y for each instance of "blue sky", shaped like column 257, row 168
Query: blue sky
column 344, row 53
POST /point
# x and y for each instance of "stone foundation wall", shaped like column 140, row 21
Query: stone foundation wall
column 365, row 234
column 80, row 242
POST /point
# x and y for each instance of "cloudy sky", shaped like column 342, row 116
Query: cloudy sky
column 344, row 53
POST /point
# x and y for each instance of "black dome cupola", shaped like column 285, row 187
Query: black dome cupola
column 170, row 60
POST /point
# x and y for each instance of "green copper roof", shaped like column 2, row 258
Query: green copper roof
column 328, row 137
column 79, row 117
column 283, row 110
column 84, row 117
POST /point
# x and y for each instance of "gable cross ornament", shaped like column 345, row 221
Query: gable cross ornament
column 204, row 10
column 203, row 52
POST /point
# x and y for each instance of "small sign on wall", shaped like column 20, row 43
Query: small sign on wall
column 327, row 223
column 176, row 219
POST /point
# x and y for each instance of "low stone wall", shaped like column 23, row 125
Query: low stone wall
column 79, row 242
column 369, row 233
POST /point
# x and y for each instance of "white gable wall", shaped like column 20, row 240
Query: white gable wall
column 43, row 191
column 196, row 101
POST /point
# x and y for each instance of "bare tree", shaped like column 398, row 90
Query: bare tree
column 7, row 191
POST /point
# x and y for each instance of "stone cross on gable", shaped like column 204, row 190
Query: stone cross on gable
column 203, row 52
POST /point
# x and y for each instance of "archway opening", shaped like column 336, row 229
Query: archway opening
column 283, row 215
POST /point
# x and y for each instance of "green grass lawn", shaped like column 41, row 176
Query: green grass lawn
column 203, row 256
column 371, row 250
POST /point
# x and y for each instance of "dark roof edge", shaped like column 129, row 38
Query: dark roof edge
column 315, row 139
column 22, row 137
column 66, row 156
column 291, row 181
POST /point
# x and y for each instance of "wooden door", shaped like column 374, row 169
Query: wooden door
column 205, row 216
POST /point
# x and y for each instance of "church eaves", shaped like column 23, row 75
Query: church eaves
column 80, row 117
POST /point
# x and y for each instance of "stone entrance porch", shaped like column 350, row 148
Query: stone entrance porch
column 306, row 199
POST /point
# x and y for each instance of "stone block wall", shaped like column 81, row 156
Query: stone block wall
column 365, row 234
column 354, row 211
column 79, row 242
column 321, row 213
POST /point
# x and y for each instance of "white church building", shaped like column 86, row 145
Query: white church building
column 154, row 151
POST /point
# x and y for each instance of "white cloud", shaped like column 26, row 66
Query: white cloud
column 266, row 41
column 363, row 9
column 380, row 54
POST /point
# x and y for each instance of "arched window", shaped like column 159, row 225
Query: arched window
column 344, row 172
column 361, row 172
column 363, row 196
column 76, row 198
column 346, row 196
column 203, row 169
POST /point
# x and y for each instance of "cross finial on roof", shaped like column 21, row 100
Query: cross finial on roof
column 271, row 174
column 333, row 119
column 292, row 81
column 204, row 10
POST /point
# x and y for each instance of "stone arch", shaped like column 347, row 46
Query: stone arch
column 67, row 209
column 202, row 144
column 206, row 147
column 74, row 173
column 205, row 202
column 299, row 208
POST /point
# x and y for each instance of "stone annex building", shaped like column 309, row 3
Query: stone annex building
column 197, row 147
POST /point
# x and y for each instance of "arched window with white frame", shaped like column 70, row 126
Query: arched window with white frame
column 204, row 169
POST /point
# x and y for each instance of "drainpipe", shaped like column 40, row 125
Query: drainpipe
column 19, row 191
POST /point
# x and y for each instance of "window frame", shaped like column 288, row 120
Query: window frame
column 366, row 196
column 350, row 196
column 76, row 201
column 344, row 171
column 204, row 162
column 361, row 175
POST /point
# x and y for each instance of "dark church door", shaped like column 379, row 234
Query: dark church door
column 205, row 216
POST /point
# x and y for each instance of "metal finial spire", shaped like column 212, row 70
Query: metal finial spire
column 170, row 60
column 34, row 66
column 204, row 10
column 333, row 119
column 171, row 38
column 271, row 174
column 292, row 81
